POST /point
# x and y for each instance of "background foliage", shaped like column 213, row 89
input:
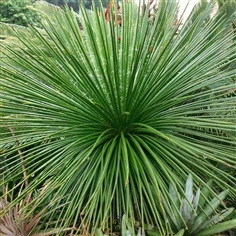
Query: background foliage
column 19, row 11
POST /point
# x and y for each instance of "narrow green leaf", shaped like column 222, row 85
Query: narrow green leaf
column 221, row 227
column 205, row 193
column 209, row 209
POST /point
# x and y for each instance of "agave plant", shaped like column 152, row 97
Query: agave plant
column 116, row 111
column 200, row 213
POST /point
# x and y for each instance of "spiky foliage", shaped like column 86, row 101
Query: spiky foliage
column 199, row 211
column 110, row 115
column 20, row 220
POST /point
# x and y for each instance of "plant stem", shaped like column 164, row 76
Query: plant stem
column 20, row 154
